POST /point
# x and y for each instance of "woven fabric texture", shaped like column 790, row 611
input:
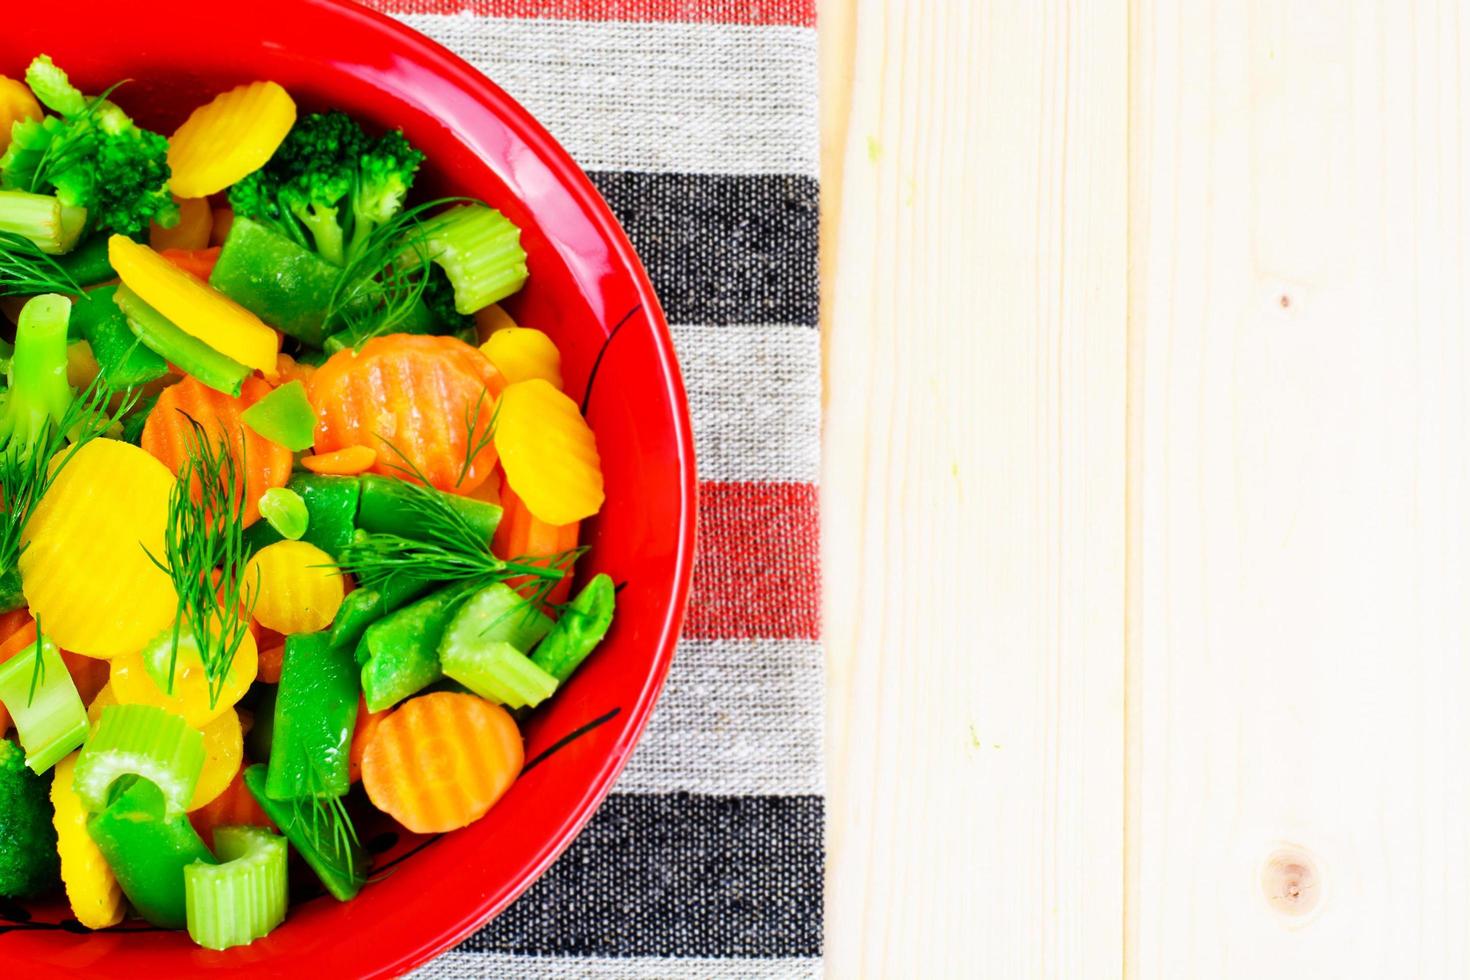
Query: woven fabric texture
column 697, row 120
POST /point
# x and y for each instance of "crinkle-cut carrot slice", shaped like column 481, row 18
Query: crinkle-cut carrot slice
column 415, row 395
column 521, row 534
column 168, row 436
column 440, row 761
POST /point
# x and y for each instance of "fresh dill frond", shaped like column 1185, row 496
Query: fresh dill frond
column 26, row 270
column 331, row 824
column 27, row 469
column 380, row 287
column 205, row 555
column 445, row 547
column 38, row 668
column 475, row 444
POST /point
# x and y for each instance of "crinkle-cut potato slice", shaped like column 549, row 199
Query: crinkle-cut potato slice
column 86, row 570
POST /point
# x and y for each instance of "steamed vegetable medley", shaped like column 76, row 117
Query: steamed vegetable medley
column 288, row 505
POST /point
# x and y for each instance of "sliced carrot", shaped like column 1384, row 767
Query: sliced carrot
column 441, row 761
column 521, row 534
column 88, row 674
column 289, row 369
column 342, row 462
column 418, row 393
column 168, row 435
column 489, row 491
column 268, row 663
column 197, row 262
column 19, row 631
column 367, row 727
column 231, row 808
column 223, row 218
column 18, row 641
column 13, row 622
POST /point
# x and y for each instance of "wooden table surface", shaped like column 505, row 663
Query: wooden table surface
column 1147, row 488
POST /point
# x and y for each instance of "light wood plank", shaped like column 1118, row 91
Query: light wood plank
column 1300, row 460
column 974, row 491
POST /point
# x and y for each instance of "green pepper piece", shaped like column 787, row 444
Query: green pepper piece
column 403, row 647
column 388, row 507
column 87, row 264
column 148, row 852
column 320, row 834
column 124, row 361
column 316, row 710
column 284, row 416
column 283, row 283
column 583, row 624
column 192, row 355
column 363, row 607
column 331, row 509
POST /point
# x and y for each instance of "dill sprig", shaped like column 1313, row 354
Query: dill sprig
column 38, row 668
column 475, row 444
column 324, row 811
column 445, row 548
column 205, row 555
column 28, row 468
column 380, row 287
column 26, row 270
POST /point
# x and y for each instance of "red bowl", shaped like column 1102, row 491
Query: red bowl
column 585, row 280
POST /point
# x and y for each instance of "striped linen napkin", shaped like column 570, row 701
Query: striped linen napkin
column 697, row 120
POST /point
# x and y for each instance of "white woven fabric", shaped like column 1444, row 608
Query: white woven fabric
column 673, row 98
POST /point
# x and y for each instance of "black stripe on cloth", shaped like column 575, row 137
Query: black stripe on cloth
column 677, row 875
column 722, row 249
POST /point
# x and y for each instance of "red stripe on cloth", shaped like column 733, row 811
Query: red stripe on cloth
column 756, row 569
column 796, row 13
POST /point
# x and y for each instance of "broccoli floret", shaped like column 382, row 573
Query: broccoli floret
column 92, row 157
column 329, row 185
column 29, row 864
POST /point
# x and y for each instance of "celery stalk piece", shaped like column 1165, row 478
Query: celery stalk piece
column 498, row 672
column 41, row 218
column 242, row 899
column 480, row 251
column 39, row 694
column 142, row 740
column 284, row 416
column 496, row 612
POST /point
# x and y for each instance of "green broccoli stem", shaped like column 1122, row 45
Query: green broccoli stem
column 41, row 218
column 39, row 393
column 325, row 231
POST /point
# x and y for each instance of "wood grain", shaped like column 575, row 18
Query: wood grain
column 974, row 486
column 1300, row 469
